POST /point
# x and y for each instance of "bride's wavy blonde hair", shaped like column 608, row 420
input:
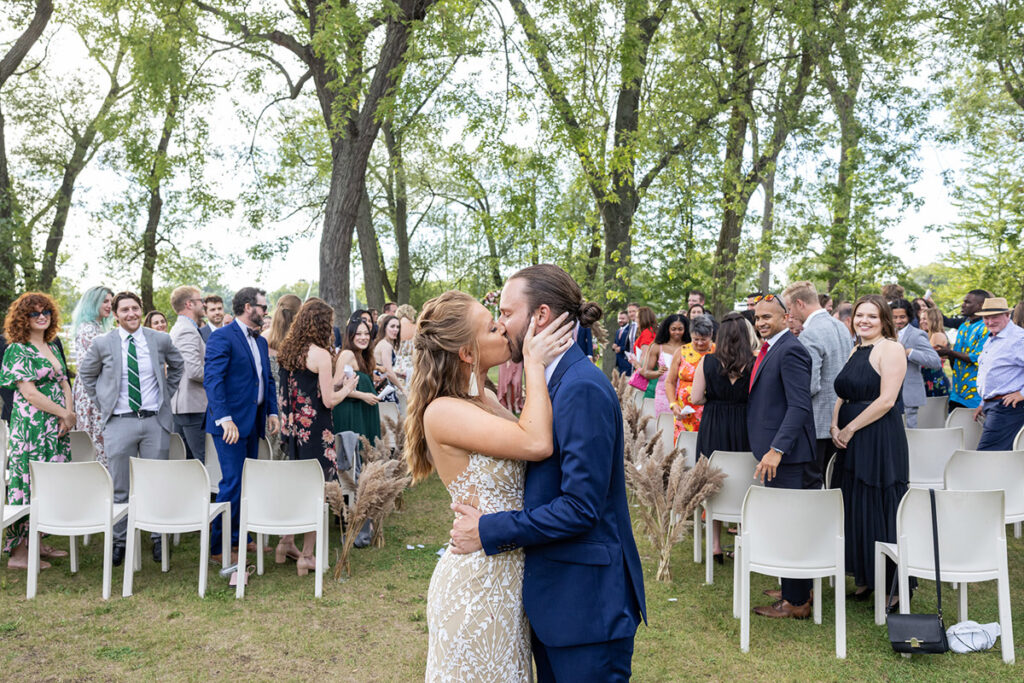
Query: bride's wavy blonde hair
column 444, row 327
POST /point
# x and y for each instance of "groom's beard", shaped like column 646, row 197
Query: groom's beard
column 515, row 346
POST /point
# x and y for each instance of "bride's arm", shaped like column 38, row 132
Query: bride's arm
column 465, row 425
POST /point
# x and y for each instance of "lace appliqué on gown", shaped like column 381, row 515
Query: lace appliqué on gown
column 478, row 626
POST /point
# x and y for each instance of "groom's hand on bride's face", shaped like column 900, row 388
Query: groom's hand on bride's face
column 465, row 531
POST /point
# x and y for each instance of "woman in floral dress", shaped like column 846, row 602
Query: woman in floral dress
column 42, row 415
column 90, row 319
column 681, row 373
column 307, row 380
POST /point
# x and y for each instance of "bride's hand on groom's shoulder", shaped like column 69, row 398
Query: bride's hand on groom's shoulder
column 551, row 342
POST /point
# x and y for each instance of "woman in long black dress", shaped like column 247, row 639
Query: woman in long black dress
column 721, row 383
column 307, row 388
column 868, row 430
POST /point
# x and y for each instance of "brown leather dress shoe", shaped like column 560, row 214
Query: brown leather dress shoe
column 784, row 610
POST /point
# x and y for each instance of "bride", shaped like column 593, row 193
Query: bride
column 478, row 627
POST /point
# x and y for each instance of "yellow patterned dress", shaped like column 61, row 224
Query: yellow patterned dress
column 689, row 357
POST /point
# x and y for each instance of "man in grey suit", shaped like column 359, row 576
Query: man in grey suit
column 123, row 373
column 189, row 404
column 828, row 342
column 920, row 354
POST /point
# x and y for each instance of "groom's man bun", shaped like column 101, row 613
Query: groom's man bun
column 548, row 284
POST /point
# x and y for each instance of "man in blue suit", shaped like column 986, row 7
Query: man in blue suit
column 622, row 345
column 780, row 425
column 242, row 401
column 583, row 585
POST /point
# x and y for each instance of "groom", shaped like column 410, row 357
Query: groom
column 582, row 586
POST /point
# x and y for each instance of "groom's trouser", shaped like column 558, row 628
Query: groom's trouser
column 610, row 661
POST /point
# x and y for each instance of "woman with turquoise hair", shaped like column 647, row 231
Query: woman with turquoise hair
column 90, row 319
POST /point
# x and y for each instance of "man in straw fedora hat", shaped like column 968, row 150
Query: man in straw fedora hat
column 1000, row 377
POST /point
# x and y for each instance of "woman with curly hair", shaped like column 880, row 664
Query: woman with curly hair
column 43, row 409
column 308, row 394
column 285, row 310
column 92, row 317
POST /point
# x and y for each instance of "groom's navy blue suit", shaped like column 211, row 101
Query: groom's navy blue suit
column 583, row 586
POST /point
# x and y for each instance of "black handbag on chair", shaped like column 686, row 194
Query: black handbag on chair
column 919, row 633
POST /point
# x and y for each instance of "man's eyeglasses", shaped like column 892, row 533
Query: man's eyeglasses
column 771, row 297
column 262, row 307
column 36, row 314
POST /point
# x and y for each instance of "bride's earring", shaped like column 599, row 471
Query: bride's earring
column 474, row 390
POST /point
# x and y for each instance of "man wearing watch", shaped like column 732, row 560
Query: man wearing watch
column 780, row 425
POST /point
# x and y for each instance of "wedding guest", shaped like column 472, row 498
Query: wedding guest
column 893, row 291
column 646, row 325
column 753, row 298
column 91, row 318
column 672, row 334
column 1017, row 317
column 825, row 301
column 374, row 315
column 390, row 308
column 622, row 344
column 828, row 344
column 794, row 325
column 407, row 317
column 867, row 428
column 584, row 338
column 920, row 305
column 385, row 354
column 919, row 353
column 155, row 320
column 214, row 307
column 124, row 373
column 695, row 297
column 286, row 308
column 42, row 412
column 306, row 376
column 188, row 405
column 679, row 378
column 935, row 381
column 358, row 412
column 844, row 314
column 694, row 310
column 964, row 354
column 632, row 311
column 721, row 385
column 1000, row 377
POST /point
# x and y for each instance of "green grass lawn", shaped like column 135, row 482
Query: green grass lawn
column 372, row 626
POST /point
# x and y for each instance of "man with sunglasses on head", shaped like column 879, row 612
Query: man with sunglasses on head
column 241, row 398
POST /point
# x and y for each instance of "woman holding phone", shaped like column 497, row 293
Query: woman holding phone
column 358, row 412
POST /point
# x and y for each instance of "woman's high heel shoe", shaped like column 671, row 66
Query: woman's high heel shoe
column 283, row 552
column 719, row 558
column 305, row 563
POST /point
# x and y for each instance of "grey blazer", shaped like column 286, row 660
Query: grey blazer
column 922, row 355
column 100, row 372
column 828, row 342
column 191, row 396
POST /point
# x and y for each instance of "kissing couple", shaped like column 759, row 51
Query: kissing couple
column 542, row 557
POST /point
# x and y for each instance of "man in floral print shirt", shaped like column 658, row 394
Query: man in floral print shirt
column 964, row 354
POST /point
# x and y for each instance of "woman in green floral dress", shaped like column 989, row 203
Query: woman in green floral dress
column 43, row 409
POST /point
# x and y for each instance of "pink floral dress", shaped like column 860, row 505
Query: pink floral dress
column 87, row 412
column 34, row 433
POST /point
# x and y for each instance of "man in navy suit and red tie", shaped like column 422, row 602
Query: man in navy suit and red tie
column 242, row 401
column 780, row 424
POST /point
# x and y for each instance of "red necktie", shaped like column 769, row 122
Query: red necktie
column 757, row 363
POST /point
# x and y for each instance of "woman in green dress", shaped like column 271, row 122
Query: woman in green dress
column 43, row 412
column 358, row 412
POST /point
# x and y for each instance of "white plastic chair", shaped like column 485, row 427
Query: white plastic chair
column 666, row 427
column 964, row 418
column 726, row 505
column 932, row 415
column 71, row 499
column 972, row 547
column 176, row 451
column 991, row 471
column 638, row 398
column 930, row 450
column 688, row 441
column 10, row 513
column 647, row 410
column 3, row 437
column 282, row 497
column 829, row 470
column 390, row 411
column 212, row 464
column 1018, row 441
column 82, row 447
column 264, row 451
column 172, row 496
column 797, row 534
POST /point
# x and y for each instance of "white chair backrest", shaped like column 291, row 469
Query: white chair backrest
column 932, row 415
column 964, row 418
column 989, row 471
column 212, row 462
column 264, row 451
column 665, row 426
column 738, row 468
column 688, row 441
column 1018, row 442
column 638, row 398
column 283, row 492
column 930, row 450
column 792, row 528
column 388, row 410
column 170, row 491
column 830, row 472
column 647, row 408
column 970, row 526
column 177, row 448
column 82, row 448
column 3, row 438
column 70, row 494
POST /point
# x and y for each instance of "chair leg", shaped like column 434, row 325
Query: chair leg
column 1005, row 616
column 204, row 557
column 1016, row 530
column 130, row 552
column 259, row 553
column 321, row 556
column 73, row 553
column 709, row 564
column 816, row 599
column 85, row 540
column 745, row 607
column 108, row 559
column 696, row 535
column 165, row 553
column 736, row 558
column 963, row 601
column 137, row 562
column 225, row 537
column 33, row 560
column 177, row 539
column 880, row 595
column 840, row 616
column 243, row 534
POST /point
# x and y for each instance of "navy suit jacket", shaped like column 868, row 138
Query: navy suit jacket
column 622, row 341
column 583, row 582
column 779, row 412
column 585, row 340
column 232, row 385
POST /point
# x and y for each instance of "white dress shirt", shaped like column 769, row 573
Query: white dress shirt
column 549, row 371
column 255, row 357
column 148, row 382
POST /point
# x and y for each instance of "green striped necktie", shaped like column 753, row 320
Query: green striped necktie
column 134, row 386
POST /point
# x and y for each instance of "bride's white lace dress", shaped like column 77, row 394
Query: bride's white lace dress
column 478, row 627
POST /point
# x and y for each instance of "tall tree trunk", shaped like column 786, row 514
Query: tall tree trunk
column 767, row 226
column 156, row 203
column 399, row 185
column 373, row 278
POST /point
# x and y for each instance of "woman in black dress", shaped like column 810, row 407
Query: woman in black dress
column 307, row 387
column 721, row 383
column 868, row 430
